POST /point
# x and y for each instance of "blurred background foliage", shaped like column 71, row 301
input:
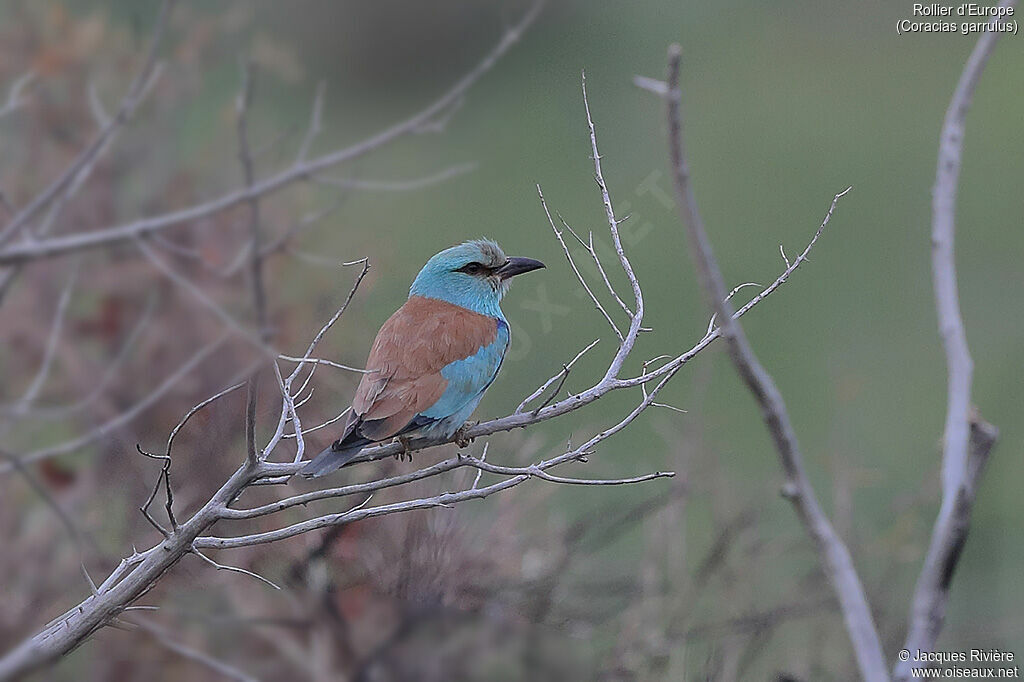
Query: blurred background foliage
column 786, row 104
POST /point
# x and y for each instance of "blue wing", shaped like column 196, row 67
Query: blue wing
column 467, row 380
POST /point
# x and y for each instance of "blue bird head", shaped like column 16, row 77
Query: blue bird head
column 474, row 275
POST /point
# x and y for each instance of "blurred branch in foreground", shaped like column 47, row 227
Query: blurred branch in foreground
column 967, row 438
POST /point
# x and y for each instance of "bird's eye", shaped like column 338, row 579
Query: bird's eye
column 472, row 268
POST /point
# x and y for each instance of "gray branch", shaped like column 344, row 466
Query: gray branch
column 967, row 439
column 834, row 556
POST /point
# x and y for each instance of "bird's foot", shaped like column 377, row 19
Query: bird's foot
column 461, row 439
column 406, row 451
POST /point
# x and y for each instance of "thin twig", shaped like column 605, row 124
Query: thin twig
column 195, row 409
column 480, row 471
column 365, row 263
column 315, row 122
column 542, row 474
column 572, row 264
column 560, row 377
column 279, row 243
column 259, row 295
column 50, row 350
column 166, row 639
column 235, row 569
column 76, row 535
column 336, row 418
column 14, row 99
column 397, row 185
column 344, row 491
column 163, row 476
column 636, row 319
column 589, row 246
column 320, row 361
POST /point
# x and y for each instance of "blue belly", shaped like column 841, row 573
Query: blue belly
column 467, row 380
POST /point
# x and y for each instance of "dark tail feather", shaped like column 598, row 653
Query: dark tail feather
column 331, row 460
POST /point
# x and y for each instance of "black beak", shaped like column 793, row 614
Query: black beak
column 517, row 266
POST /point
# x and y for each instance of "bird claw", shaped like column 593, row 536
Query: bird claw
column 406, row 451
column 461, row 439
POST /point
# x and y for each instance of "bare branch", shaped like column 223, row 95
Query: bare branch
column 336, row 418
column 543, row 475
column 259, row 293
column 315, row 122
column 365, row 263
column 50, row 350
column 164, row 638
column 579, row 275
column 199, row 406
column 56, row 246
column 14, row 100
column 76, row 535
column 589, row 246
column 291, row 410
column 251, row 392
column 397, row 185
column 947, row 301
column 613, row 226
column 320, row 361
column 834, row 555
column 967, row 438
column 735, row 289
column 479, row 471
column 442, row 500
column 928, row 611
column 164, row 476
column 637, row 318
column 136, row 92
column 560, row 378
column 235, row 569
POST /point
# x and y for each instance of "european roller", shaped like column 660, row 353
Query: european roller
column 435, row 356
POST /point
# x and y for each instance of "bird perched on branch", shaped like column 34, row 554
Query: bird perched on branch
column 435, row 356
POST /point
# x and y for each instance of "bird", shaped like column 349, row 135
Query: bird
column 434, row 358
